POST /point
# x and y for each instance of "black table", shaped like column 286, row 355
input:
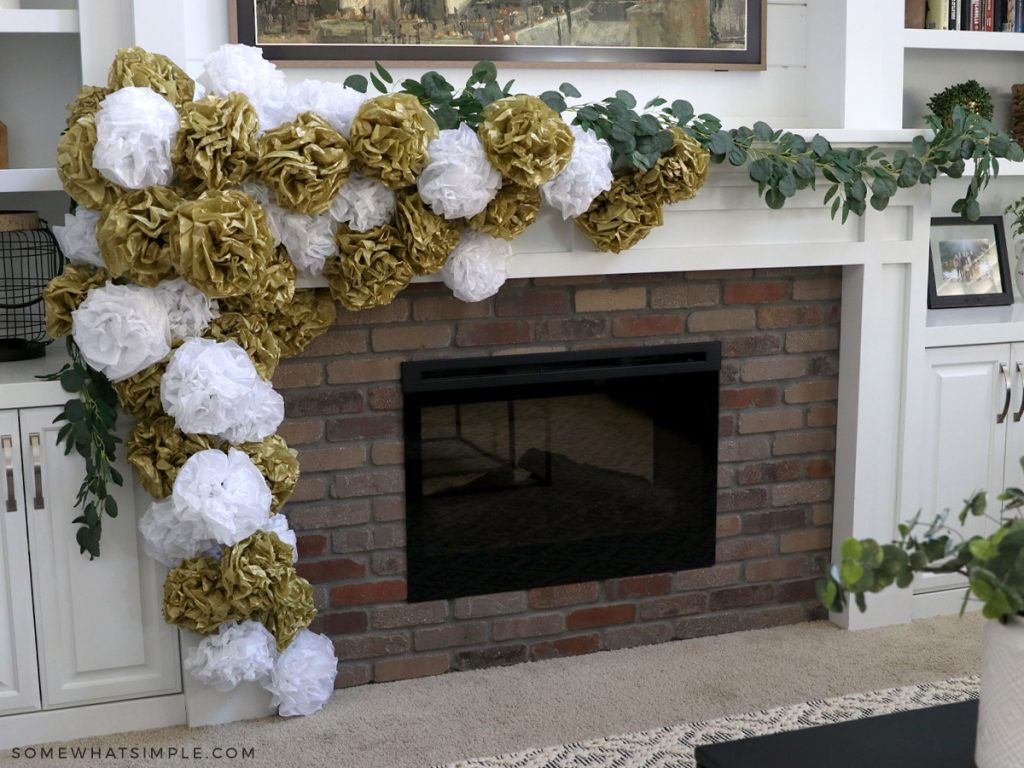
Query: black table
column 935, row 737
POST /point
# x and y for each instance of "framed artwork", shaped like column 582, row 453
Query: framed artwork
column 968, row 265
column 708, row 34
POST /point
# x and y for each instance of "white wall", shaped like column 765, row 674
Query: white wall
column 777, row 95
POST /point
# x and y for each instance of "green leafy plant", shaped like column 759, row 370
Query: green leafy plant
column 970, row 96
column 1016, row 211
column 90, row 419
column 993, row 565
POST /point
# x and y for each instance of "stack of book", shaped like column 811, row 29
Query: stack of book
column 973, row 15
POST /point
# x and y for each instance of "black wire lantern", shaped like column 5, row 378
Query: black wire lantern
column 29, row 259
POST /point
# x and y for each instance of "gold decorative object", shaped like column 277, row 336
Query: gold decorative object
column 253, row 334
column 525, row 139
column 621, row 217
column 132, row 235
column 158, row 450
column 81, row 181
column 389, row 138
column 370, row 269
column 86, row 103
column 279, row 465
column 679, row 173
column 138, row 67
column 507, row 216
column 217, row 143
column 274, row 288
column 309, row 314
column 195, row 599
column 139, row 395
column 428, row 237
column 66, row 292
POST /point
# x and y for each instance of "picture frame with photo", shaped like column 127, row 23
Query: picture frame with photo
column 968, row 264
column 702, row 34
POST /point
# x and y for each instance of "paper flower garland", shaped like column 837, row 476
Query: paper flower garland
column 588, row 174
column 189, row 310
column 241, row 69
column 66, row 292
column 332, row 101
column 478, row 266
column 138, row 67
column 77, row 238
column 133, row 235
column 509, row 214
column 158, row 450
column 362, row 204
column 135, row 129
column 525, row 139
column 238, row 652
column 369, row 270
column 303, row 678
column 83, row 183
column 389, row 138
column 428, row 237
column 459, row 181
column 216, row 145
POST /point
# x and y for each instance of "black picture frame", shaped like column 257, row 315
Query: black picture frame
column 968, row 264
column 751, row 56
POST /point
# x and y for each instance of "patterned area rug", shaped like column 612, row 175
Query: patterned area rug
column 673, row 745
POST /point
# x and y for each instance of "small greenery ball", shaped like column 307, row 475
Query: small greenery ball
column 970, row 95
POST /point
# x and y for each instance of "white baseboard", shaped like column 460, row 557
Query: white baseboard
column 942, row 603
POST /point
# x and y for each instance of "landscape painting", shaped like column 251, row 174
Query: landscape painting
column 719, row 34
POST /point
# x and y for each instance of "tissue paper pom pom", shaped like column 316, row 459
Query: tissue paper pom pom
column 77, row 238
column 86, row 103
column 158, row 450
column 133, row 234
column 332, row 101
column 167, row 537
column 278, row 525
column 525, row 139
column 588, row 174
column 217, row 142
column 279, row 466
column 220, row 243
column 262, row 418
column 189, row 310
column 242, row 69
column 121, row 329
column 302, row 680
column 66, row 292
column 679, row 173
column 311, row 312
column 260, row 580
column 207, row 385
column 389, row 138
column 139, row 394
column 459, row 181
column 235, row 653
column 428, row 238
column 83, row 183
column 362, row 204
column 621, row 217
column 219, row 496
column 369, row 270
column 135, row 129
column 477, row 267
column 138, row 67
column 194, row 597
column 274, row 289
column 308, row 240
column 509, row 214
column 304, row 162
column 252, row 334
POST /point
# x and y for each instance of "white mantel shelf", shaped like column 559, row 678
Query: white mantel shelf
column 38, row 21
column 19, row 387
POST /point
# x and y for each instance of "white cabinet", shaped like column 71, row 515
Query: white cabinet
column 975, row 436
column 73, row 632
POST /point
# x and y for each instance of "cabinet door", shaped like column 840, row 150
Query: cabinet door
column 101, row 635
column 1013, row 474
column 964, row 449
column 19, row 675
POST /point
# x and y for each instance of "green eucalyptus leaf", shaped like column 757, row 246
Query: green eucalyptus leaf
column 569, row 91
column 356, row 83
column 554, row 100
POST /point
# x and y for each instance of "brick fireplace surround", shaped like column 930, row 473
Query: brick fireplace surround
column 780, row 334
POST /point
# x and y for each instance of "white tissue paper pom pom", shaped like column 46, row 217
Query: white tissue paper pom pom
column 77, row 238
column 459, row 181
column 121, row 329
column 261, row 417
column 279, row 524
column 242, row 69
column 135, row 128
column 261, row 193
column 309, row 240
column 302, row 680
column 222, row 496
column 362, row 204
column 478, row 266
column 170, row 538
column 236, row 653
column 588, row 174
column 208, row 386
column 332, row 101
column 189, row 310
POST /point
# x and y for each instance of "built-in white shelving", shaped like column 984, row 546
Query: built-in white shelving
column 975, row 325
column 29, row 180
column 944, row 40
column 31, row 21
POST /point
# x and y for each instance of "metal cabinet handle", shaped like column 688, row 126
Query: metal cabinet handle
column 1001, row 417
column 37, row 470
column 7, row 445
column 1020, row 375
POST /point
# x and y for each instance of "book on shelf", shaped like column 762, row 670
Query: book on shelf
column 937, row 14
column 1018, row 15
column 913, row 14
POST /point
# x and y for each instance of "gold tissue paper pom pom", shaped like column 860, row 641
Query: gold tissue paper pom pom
column 525, row 139
column 370, row 269
column 81, row 181
column 261, row 584
column 679, row 173
column 140, row 68
column 279, row 465
column 621, row 217
column 65, row 292
column 428, row 237
column 194, row 597
column 309, row 314
column 220, row 243
column 274, row 289
column 86, row 102
column 389, row 138
column 253, row 334
column 507, row 216
column 139, row 394
column 158, row 450
column 305, row 163
column 217, row 143
column 132, row 235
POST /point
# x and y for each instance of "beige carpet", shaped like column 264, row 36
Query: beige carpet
column 417, row 723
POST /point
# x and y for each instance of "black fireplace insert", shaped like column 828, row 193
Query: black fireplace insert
column 533, row 470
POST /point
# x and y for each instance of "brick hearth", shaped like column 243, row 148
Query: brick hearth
column 780, row 334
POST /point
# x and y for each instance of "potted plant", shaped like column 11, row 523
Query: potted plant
column 1015, row 211
column 994, row 568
